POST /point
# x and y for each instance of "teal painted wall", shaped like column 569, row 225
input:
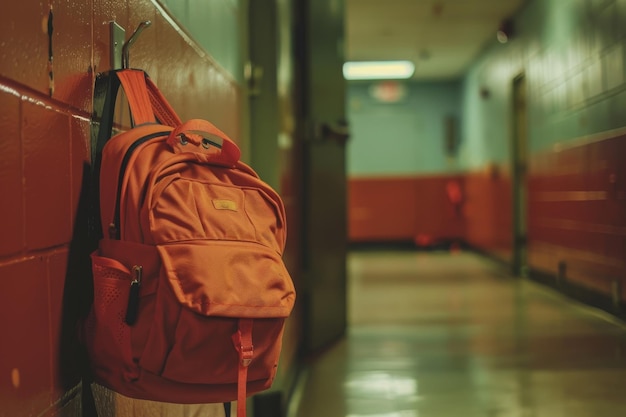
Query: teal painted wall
column 572, row 54
column 402, row 138
column 215, row 26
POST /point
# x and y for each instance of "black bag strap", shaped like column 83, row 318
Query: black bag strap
column 104, row 97
column 105, row 92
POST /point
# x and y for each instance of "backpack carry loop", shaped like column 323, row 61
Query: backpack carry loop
column 202, row 134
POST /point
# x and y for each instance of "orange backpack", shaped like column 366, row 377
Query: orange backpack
column 190, row 290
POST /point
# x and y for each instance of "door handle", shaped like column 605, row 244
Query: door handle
column 338, row 132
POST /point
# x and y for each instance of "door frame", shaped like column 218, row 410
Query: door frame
column 519, row 181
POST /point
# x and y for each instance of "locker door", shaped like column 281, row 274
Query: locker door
column 324, row 171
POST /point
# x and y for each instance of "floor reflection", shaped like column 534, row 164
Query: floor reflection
column 438, row 334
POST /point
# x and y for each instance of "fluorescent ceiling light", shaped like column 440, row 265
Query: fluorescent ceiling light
column 378, row 70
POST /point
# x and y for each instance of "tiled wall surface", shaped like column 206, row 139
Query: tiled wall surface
column 577, row 214
column 426, row 210
column 488, row 211
column 572, row 55
column 44, row 152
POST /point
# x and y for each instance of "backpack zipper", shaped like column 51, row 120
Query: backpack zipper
column 133, row 296
column 114, row 229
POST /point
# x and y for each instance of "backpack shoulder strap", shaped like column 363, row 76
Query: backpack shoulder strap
column 147, row 103
column 134, row 85
column 164, row 113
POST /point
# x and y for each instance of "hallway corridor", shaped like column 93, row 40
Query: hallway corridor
column 438, row 334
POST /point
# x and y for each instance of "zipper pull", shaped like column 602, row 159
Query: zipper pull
column 133, row 296
column 113, row 231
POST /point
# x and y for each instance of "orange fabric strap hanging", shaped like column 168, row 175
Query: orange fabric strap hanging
column 134, row 83
column 243, row 343
column 146, row 102
column 162, row 109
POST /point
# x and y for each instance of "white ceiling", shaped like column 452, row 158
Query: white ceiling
column 441, row 37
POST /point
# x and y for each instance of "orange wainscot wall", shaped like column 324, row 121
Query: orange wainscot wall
column 577, row 214
column 489, row 210
column 420, row 209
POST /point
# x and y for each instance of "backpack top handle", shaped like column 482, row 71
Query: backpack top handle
column 203, row 134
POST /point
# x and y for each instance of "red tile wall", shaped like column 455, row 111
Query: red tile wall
column 488, row 211
column 12, row 207
column 44, row 152
column 25, row 385
column 577, row 214
column 400, row 209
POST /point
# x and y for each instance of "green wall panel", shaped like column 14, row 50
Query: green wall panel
column 214, row 25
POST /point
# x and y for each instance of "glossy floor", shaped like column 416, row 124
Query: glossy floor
column 438, row 334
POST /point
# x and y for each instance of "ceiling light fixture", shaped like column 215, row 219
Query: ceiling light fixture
column 378, row 70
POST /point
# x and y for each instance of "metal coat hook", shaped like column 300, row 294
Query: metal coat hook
column 130, row 41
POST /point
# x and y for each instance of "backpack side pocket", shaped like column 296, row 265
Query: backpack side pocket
column 107, row 334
